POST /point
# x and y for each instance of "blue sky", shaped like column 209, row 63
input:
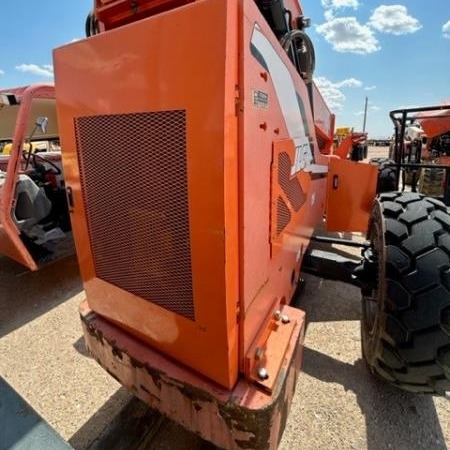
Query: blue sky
column 30, row 30
column 394, row 52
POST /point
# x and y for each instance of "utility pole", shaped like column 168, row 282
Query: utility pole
column 365, row 114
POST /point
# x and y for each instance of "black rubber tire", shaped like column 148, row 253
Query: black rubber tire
column 366, row 151
column 357, row 152
column 405, row 326
column 387, row 175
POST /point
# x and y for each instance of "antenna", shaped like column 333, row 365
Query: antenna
column 365, row 114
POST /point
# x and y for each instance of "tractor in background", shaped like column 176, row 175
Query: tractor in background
column 421, row 149
column 35, row 226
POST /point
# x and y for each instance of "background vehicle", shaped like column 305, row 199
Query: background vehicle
column 349, row 143
column 34, row 219
column 421, row 149
column 192, row 242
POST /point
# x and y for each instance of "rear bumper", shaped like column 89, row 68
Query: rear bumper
column 243, row 418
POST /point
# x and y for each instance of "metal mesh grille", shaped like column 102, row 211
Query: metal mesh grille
column 134, row 179
column 283, row 215
column 291, row 186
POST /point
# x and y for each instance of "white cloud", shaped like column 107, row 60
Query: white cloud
column 370, row 88
column 346, row 34
column 332, row 6
column 329, row 15
column 45, row 70
column 446, row 29
column 331, row 91
column 2, row 72
column 336, row 4
column 394, row 19
column 371, row 108
column 349, row 82
column 333, row 96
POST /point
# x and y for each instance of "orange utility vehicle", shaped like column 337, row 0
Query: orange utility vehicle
column 34, row 218
column 198, row 154
column 422, row 149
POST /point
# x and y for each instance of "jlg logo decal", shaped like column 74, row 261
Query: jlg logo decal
column 303, row 158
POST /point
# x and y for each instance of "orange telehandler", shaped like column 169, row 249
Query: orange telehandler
column 197, row 154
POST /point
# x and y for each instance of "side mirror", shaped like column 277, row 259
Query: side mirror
column 41, row 123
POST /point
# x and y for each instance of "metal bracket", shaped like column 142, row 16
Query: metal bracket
column 267, row 354
column 331, row 266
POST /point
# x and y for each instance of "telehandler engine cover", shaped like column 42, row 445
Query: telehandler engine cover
column 194, row 170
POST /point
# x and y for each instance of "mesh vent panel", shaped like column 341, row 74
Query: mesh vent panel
column 283, row 215
column 134, row 179
column 290, row 186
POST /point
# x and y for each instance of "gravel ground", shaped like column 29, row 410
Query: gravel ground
column 42, row 353
column 338, row 405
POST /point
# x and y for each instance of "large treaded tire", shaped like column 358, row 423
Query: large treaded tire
column 357, row 152
column 387, row 175
column 406, row 318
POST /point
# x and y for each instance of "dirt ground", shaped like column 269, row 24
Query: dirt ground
column 338, row 405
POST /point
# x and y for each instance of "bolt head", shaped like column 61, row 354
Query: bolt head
column 277, row 314
column 285, row 319
column 259, row 353
column 262, row 373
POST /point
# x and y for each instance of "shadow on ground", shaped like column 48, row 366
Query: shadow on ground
column 92, row 431
column 80, row 346
column 328, row 300
column 34, row 293
column 134, row 426
column 394, row 419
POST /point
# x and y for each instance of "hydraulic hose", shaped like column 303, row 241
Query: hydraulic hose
column 306, row 53
column 91, row 25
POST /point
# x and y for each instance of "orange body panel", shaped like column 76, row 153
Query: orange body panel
column 443, row 160
column 350, row 193
column 269, row 268
column 435, row 122
column 163, row 64
column 230, row 77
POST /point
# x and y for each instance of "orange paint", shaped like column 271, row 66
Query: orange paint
column 242, row 163
column 350, row 193
column 148, row 66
